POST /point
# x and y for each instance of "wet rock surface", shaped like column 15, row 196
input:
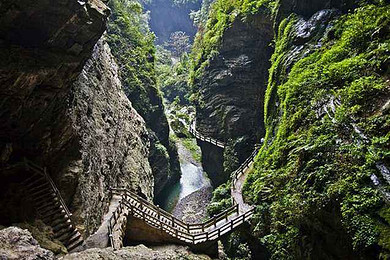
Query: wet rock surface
column 17, row 243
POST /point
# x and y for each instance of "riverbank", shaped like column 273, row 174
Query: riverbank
column 193, row 208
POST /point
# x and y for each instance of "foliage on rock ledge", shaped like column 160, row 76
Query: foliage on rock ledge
column 131, row 43
column 221, row 15
column 327, row 127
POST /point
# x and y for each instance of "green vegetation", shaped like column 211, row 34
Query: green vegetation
column 173, row 78
column 190, row 144
column 326, row 130
column 314, row 163
column 132, row 45
column 221, row 15
column 221, row 199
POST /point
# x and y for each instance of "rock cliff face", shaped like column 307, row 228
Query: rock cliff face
column 320, row 182
column 138, row 78
column 43, row 49
column 231, row 94
column 64, row 112
column 113, row 140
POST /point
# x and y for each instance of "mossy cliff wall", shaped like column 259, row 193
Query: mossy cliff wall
column 230, row 86
column 320, row 183
column 132, row 45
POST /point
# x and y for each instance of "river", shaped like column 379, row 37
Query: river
column 193, row 179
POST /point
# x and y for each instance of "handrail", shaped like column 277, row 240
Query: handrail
column 240, row 170
column 188, row 233
column 175, row 221
column 198, row 135
column 43, row 171
column 185, row 236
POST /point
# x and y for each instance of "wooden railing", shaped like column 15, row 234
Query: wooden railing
column 32, row 166
column 158, row 218
column 244, row 166
column 193, row 131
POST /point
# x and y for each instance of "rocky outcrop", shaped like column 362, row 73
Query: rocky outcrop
column 140, row 252
column 138, row 78
column 16, row 243
column 113, row 141
column 43, row 49
column 231, row 93
column 65, row 113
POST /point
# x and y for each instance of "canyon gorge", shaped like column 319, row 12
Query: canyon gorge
column 226, row 129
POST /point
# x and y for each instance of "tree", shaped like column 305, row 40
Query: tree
column 178, row 43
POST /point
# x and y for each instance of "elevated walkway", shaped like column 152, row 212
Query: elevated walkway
column 201, row 137
column 149, row 223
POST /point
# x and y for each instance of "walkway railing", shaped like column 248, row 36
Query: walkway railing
column 244, row 166
column 155, row 217
column 191, row 234
column 198, row 135
column 32, row 166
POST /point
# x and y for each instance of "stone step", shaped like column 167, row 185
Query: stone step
column 75, row 244
column 61, row 225
column 50, row 209
column 49, row 218
column 44, row 185
column 41, row 205
column 64, row 230
column 58, row 221
column 34, row 182
column 66, row 237
column 40, row 192
column 33, row 176
column 45, row 198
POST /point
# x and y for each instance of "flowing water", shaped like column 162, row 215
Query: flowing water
column 192, row 179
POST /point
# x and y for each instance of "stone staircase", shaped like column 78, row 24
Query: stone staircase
column 50, row 206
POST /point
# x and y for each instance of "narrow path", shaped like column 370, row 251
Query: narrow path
column 100, row 239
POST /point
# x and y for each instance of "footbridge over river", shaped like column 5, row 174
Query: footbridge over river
column 136, row 220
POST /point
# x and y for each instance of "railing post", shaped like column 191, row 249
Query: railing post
column 207, row 235
column 142, row 211
column 237, row 208
column 202, row 227
column 231, row 224
column 219, row 232
column 193, row 239
column 173, row 221
column 215, row 221
column 188, row 228
column 226, row 216
column 176, row 232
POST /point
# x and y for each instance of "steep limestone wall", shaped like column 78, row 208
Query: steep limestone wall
column 64, row 108
column 231, row 94
column 113, row 140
